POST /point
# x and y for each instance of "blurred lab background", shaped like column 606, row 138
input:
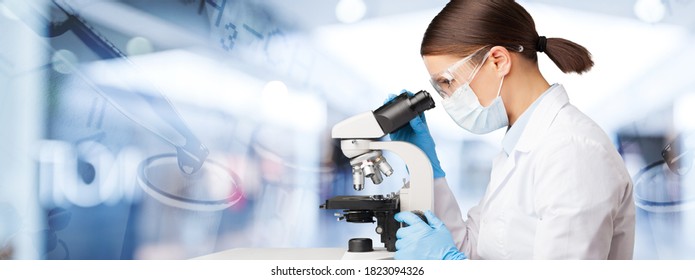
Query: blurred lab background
column 99, row 98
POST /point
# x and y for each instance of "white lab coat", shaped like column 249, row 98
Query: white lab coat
column 562, row 193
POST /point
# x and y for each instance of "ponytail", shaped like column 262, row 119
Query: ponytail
column 567, row 55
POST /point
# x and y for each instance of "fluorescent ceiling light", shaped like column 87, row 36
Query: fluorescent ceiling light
column 350, row 11
column 650, row 11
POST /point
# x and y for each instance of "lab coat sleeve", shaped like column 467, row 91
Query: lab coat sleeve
column 580, row 186
column 446, row 208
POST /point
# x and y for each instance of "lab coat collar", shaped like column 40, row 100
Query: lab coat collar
column 540, row 121
column 542, row 118
column 514, row 133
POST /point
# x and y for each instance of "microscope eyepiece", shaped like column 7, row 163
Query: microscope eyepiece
column 399, row 111
column 421, row 101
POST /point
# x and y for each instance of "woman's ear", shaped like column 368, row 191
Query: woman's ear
column 502, row 60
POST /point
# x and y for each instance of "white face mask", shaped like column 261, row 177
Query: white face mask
column 465, row 109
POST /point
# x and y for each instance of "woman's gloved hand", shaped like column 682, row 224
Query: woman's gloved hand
column 418, row 134
column 423, row 241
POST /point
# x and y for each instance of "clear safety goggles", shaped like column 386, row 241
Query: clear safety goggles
column 459, row 73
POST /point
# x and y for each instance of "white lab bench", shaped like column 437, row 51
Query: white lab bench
column 296, row 254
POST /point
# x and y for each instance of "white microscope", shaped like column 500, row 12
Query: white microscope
column 359, row 141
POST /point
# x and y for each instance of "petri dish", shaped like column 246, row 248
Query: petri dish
column 212, row 188
column 657, row 189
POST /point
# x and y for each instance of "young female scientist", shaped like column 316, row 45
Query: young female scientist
column 558, row 189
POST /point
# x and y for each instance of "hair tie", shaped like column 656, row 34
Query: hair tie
column 541, row 44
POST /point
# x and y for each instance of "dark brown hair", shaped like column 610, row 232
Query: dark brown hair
column 464, row 26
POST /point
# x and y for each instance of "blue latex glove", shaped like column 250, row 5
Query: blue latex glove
column 423, row 241
column 418, row 134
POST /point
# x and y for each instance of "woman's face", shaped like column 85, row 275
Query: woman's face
column 485, row 83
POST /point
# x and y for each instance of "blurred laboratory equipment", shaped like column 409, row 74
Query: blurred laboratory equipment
column 665, row 200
